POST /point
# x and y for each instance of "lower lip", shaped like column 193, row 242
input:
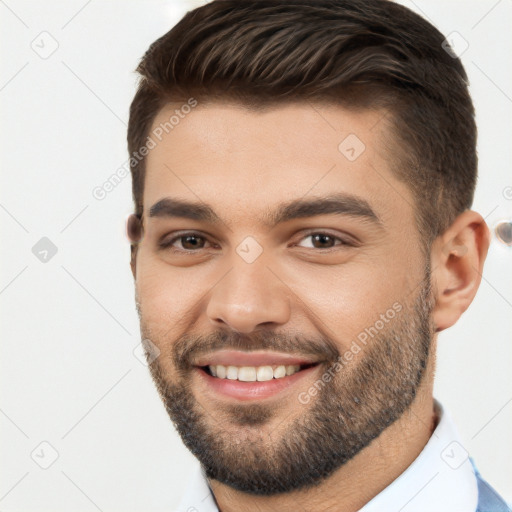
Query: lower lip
column 252, row 390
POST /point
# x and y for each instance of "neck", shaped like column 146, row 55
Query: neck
column 360, row 479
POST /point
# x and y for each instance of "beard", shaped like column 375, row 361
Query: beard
column 360, row 401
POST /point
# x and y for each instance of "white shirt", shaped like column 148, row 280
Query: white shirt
column 441, row 478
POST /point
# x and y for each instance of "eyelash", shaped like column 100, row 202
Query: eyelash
column 168, row 244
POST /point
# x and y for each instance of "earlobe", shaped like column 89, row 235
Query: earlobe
column 458, row 257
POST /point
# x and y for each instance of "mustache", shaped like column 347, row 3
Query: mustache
column 189, row 347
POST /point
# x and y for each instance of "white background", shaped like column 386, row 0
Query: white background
column 69, row 326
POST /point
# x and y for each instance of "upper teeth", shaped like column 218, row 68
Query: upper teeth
column 252, row 373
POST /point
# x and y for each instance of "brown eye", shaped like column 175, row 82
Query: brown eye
column 189, row 242
column 320, row 240
column 325, row 241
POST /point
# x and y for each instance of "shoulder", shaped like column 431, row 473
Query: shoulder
column 488, row 498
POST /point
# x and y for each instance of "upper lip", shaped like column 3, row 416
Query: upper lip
column 253, row 358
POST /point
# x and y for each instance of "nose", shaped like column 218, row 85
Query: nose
column 249, row 296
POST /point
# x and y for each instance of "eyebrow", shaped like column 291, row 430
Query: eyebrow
column 334, row 204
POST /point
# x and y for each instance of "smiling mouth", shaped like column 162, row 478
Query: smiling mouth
column 254, row 373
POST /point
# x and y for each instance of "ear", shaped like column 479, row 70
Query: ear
column 457, row 259
column 134, row 235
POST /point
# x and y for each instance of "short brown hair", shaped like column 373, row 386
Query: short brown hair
column 356, row 53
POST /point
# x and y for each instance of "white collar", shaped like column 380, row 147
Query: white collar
column 441, row 478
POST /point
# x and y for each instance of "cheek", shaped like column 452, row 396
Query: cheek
column 346, row 301
column 168, row 294
column 339, row 300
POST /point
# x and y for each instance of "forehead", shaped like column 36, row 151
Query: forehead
column 244, row 161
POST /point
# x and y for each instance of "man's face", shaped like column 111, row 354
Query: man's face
column 342, row 293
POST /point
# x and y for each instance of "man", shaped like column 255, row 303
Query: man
column 303, row 174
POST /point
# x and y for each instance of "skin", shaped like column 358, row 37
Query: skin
column 244, row 163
